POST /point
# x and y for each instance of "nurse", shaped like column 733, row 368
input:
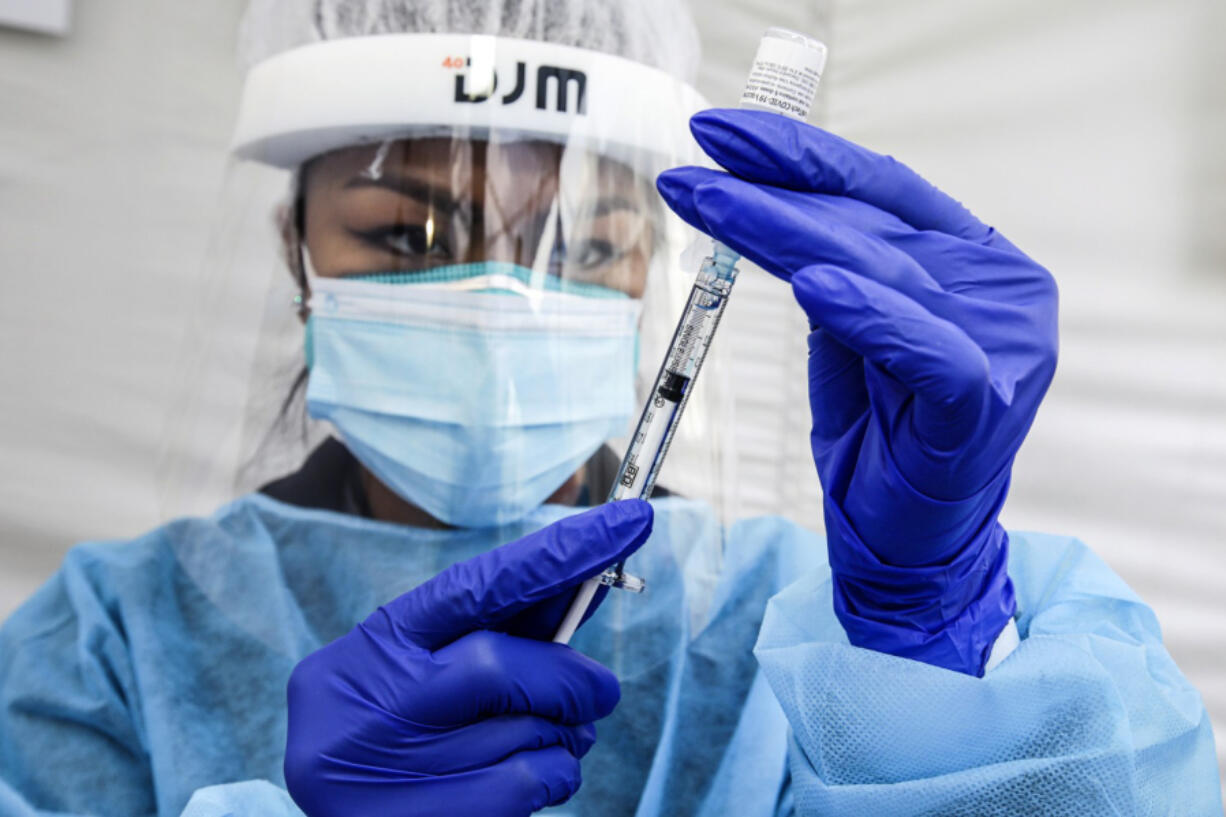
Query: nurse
column 480, row 268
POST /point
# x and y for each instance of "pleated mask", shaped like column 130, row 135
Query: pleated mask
column 472, row 391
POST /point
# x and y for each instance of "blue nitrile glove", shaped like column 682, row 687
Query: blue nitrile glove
column 937, row 341
column 424, row 708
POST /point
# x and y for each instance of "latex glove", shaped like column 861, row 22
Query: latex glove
column 424, row 709
column 937, row 341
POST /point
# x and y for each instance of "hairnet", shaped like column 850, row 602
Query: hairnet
column 659, row 33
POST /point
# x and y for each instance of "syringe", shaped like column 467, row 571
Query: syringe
column 783, row 79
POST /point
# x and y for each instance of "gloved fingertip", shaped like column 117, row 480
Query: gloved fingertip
column 591, row 689
column 632, row 522
column 712, row 122
column 746, row 142
column 551, row 776
column 568, row 781
column 571, row 786
column 676, row 187
column 608, row 692
column 584, row 739
column 678, row 182
column 633, row 510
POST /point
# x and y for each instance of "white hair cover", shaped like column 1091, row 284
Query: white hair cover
column 659, row 33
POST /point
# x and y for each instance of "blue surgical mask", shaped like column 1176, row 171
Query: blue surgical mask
column 472, row 395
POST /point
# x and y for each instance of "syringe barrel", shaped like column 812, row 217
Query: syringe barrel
column 671, row 391
column 783, row 79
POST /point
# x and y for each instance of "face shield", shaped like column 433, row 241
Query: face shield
column 447, row 252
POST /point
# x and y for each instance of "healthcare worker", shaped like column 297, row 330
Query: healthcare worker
column 480, row 268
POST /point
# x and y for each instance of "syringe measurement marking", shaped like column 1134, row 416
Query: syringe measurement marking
column 673, row 382
column 701, row 310
column 654, row 425
column 684, row 354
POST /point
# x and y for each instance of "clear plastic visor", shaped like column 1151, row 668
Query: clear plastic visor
column 494, row 306
column 550, row 217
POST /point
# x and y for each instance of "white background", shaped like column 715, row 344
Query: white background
column 1089, row 132
column 47, row 16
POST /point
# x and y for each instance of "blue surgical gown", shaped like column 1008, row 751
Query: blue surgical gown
column 148, row 677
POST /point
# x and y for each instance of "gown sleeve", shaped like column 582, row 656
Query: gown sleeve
column 71, row 739
column 1088, row 716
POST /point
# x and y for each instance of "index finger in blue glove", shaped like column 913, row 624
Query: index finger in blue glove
column 773, row 149
column 487, row 589
column 783, row 231
column 677, row 186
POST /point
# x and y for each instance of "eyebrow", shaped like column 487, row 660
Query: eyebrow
column 411, row 188
column 609, row 204
column 430, row 194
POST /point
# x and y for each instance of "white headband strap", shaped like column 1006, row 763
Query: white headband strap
column 328, row 95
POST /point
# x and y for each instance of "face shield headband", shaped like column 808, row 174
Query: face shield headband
column 325, row 96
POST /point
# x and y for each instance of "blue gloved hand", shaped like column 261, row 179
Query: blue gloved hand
column 937, row 342
column 424, row 708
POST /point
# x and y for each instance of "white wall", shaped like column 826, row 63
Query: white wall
column 1089, row 132
column 111, row 154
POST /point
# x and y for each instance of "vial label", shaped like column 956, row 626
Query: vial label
column 784, row 78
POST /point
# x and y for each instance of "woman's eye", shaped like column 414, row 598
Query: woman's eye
column 408, row 239
column 591, row 254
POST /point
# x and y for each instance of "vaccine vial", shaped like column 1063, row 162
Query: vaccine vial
column 785, row 74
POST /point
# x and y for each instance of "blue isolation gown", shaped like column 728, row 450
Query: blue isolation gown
column 148, row 677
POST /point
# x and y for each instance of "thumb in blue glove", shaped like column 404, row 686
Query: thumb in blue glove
column 937, row 342
column 424, row 709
